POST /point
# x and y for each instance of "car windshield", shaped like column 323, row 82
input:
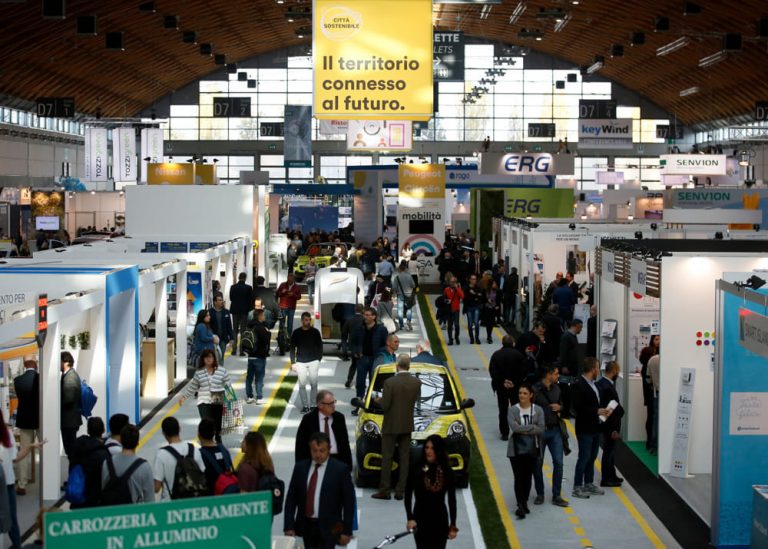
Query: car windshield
column 436, row 392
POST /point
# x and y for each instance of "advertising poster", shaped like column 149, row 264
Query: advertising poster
column 297, row 152
column 539, row 202
column 48, row 205
column 709, row 198
column 420, row 182
column 181, row 174
column 379, row 135
column 96, row 144
column 124, row 159
column 333, row 127
column 605, row 133
column 373, row 60
column 194, row 292
column 448, row 56
column 151, row 147
column 644, row 315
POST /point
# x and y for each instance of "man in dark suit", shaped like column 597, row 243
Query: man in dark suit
column 611, row 427
column 400, row 394
column 569, row 348
column 221, row 323
column 314, row 480
column 268, row 300
column 27, row 387
column 592, row 349
column 351, row 325
column 71, row 419
column 586, row 404
column 508, row 368
column 325, row 419
column 241, row 303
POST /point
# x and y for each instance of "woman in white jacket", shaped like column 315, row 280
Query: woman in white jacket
column 526, row 421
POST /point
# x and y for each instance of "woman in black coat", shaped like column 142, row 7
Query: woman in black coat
column 430, row 479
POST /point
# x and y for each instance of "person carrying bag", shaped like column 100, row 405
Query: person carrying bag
column 526, row 421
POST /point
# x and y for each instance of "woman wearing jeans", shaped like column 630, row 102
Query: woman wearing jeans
column 473, row 300
column 404, row 287
column 526, row 420
column 209, row 382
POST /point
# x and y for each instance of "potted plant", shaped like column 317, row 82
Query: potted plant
column 84, row 340
column 73, row 342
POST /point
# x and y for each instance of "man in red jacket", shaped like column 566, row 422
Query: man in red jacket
column 453, row 295
column 288, row 293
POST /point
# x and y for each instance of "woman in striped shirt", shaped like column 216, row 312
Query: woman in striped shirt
column 209, row 382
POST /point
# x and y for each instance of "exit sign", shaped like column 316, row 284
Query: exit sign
column 537, row 148
column 272, row 147
column 508, row 148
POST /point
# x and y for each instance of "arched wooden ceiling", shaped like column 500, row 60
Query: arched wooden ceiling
column 46, row 57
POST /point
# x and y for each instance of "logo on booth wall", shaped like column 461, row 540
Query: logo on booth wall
column 704, row 338
column 424, row 244
column 340, row 23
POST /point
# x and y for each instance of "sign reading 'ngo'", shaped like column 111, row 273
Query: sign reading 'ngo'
column 373, row 59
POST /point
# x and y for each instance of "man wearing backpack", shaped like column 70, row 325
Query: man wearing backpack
column 240, row 305
column 179, row 466
column 218, row 461
column 116, row 424
column 88, row 453
column 255, row 342
column 71, row 419
column 126, row 478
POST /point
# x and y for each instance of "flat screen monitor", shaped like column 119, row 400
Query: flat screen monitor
column 47, row 223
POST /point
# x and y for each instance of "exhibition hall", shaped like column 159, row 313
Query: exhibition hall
column 464, row 273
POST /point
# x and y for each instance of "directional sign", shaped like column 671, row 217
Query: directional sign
column 231, row 107
column 56, row 107
column 597, row 108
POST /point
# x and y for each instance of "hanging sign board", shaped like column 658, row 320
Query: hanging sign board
column 97, row 161
column 753, row 332
column 379, row 135
column 333, row 127
column 152, row 148
column 638, row 275
column 448, row 55
column 373, row 59
column 605, row 133
column 124, row 159
column 420, row 182
column 692, row 164
column 297, row 146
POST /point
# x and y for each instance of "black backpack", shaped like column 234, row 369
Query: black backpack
column 269, row 482
column 188, row 480
column 117, row 491
column 248, row 340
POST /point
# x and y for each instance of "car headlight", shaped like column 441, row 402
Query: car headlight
column 456, row 429
column 371, row 428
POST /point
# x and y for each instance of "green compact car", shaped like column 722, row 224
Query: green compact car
column 322, row 254
column 437, row 412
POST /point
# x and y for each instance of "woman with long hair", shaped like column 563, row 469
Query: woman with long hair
column 256, row 461
column 209, row 382
column 429, row 480
column 648, row 394
column 203, row 336
column 526, row 421
column 491, row 308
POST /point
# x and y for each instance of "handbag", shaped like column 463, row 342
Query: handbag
column 217, row 397
column 525, row 445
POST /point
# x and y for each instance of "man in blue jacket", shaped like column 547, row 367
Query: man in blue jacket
column 365, row 343
column 221, row 323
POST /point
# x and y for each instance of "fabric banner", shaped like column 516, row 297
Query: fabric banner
column 297, row 151
column 151, row 147
column 97, row 161
column 605, row 133
column 539, row 202
column 373, row 59
column 420, row 182
column 692, row 164
column 124, row 161
column 379, row 135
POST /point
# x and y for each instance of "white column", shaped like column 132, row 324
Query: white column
column 229, row 262
column 160, row 390
column 263, row 230
column 249, row 262
column 50, row 414
column 181, row 325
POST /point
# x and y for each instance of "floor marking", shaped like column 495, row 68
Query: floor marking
column 498, row 495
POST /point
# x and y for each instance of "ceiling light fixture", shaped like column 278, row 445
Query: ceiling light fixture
column 485, row 11
column 598, row 64
column 533, row 33
column 678, row 44
column 560, row 25
column 745, row 157
column 713, row 59
column 517, row 12
column 689, row 91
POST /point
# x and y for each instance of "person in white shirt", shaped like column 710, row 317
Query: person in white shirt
column 526, row 421
column 165, row 462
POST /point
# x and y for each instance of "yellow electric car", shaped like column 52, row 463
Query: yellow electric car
column 439, row 411
column 322, row 254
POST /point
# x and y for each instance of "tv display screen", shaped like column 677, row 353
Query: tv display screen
column 47, row 223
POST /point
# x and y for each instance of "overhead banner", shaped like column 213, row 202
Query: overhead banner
column 448, row 56
column 539, row 202
column 97, row 160
column 605, row 133
column 379, row 135
column 420, row 182
column 373, row 59
column 297, row 149
column 333, row 127
column 525, row 164
column 152, row 148
column 692, row 164
column 166, row 173
column 124, row 160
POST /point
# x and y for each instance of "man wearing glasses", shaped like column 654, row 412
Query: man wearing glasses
column 324, row 419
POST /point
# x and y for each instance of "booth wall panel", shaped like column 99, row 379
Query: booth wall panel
column 687, row 306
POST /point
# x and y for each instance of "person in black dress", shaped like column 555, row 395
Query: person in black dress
column 429, row 481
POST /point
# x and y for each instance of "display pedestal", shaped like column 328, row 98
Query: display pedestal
column 149, row 370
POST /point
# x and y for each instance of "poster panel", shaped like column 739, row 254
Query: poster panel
column 124, row 159
column 297, row 152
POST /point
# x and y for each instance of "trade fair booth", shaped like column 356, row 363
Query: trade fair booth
column 93, row 314
column 667, row 288
column 739, row 503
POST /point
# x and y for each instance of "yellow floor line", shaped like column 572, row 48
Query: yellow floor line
column 630, row 507
column 498, row 495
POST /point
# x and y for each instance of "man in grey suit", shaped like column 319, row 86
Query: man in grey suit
column 400, row 394
column 70, row 402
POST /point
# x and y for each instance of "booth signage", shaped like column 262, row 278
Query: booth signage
column 379, row 135
column 516, row 164
column 41, row 324
column 241, row 520
column 418, row 182
column 13, row 301
column 538, row 129
column 297, row 145
column 271, row 129
column 151, row 247
column 539, row 202
column 201, row 246
column 748, row 413
column 596, row 109
column 231, row 107
column 333, row 127
column 373, row 59
column 605, row 133
column 692, row 164
column 181, row 174
column 461, row 175
column 448, row 56
column 683, row 423
column 638, row 274
column 609, row 264
column 152, row 148
column 174, row 247
column 753, row 332
column 96, row 145
column 124, row 159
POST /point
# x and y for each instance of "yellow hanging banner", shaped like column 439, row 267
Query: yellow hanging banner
column 181, row 174
column 420, row 182
column 373, row 59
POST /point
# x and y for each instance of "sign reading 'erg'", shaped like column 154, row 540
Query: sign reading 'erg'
column 373, row 59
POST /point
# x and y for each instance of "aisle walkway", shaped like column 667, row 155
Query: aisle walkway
column 618, row 519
